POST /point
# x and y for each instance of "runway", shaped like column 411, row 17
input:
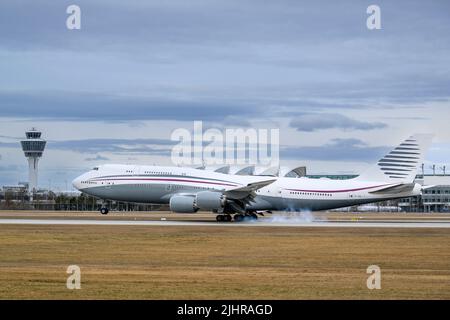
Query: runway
column 262, row 223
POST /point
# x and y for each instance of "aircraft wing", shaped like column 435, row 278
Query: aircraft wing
column 238, row 198
column 245, row 195
column 240, row 192
column 251, row 187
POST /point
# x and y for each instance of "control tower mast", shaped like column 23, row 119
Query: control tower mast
column 33, row 147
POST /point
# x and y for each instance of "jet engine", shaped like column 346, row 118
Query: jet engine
column 183, row 204
column 208, row 200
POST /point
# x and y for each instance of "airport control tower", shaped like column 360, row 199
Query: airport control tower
column 33, row 147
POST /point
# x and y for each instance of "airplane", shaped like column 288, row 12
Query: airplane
column 239, row 197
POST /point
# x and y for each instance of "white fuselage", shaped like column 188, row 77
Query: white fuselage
column 157, row 184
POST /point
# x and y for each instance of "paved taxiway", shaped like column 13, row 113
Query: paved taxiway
column 262, row 223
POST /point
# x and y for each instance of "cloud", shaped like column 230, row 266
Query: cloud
column 158, row 22
column 353, row 150
column 218, row 55
column 81, row 106
column 97, row 158
column 117, row 146
column 9, row 145
column 228, row 63
column 320, row 121
column 236, row 121
column 10, row 137
column 9, row 168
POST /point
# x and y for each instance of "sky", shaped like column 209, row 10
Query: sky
column 114, row 91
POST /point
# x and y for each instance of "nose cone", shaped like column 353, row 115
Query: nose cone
column 77, row 183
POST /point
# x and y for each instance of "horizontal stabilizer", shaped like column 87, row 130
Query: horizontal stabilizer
column 398, row 188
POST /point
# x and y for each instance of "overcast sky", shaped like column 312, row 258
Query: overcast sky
column 114, row 91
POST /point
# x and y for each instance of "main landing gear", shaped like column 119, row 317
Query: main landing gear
column 238, row 217
column 104, row 210
column 249, row 216
column 223, row 218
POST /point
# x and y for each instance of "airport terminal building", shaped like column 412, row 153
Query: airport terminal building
column 435, row 196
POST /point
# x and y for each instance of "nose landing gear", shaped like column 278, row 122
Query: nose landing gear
column 104, row 210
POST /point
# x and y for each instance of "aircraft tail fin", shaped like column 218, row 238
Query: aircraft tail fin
column 401, row 164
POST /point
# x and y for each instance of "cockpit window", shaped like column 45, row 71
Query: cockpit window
column 95, row 168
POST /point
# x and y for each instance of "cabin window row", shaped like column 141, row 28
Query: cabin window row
column 311, row 193
column 158, row 173
column 88, row 182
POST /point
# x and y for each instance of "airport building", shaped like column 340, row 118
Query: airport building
column 435, row 196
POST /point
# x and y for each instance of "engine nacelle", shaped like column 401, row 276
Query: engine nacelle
column 208, row 200
column 183, row 204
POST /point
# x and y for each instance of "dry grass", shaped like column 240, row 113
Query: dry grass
column 216, row 262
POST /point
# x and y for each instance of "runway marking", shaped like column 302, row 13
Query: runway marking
column 326, row 224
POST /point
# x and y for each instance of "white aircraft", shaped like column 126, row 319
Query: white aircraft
column 188, row 190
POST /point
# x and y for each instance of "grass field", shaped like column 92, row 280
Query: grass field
column 134, row 262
